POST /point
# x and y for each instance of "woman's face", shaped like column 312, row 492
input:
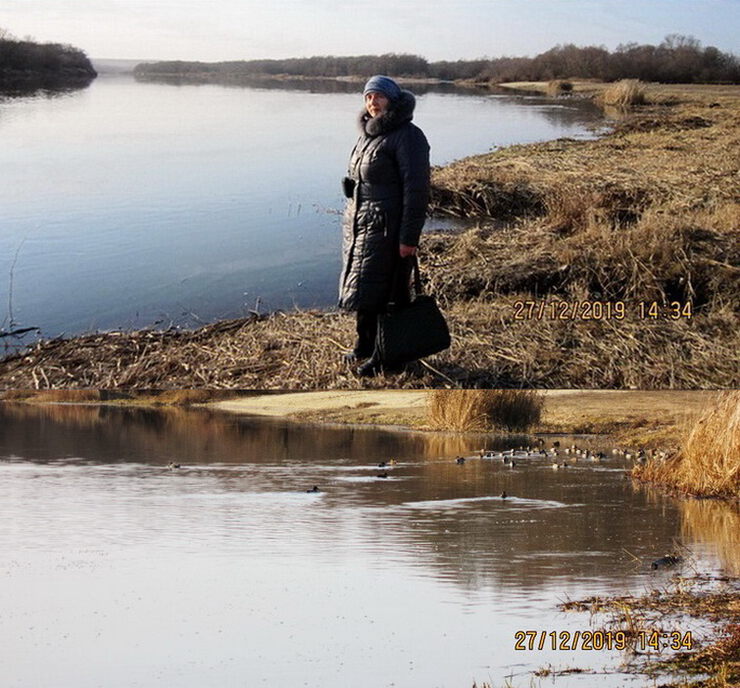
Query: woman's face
column 376, row 103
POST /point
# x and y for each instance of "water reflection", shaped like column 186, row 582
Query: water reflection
column 566, row 523
column 231, row 546
column 717, row 525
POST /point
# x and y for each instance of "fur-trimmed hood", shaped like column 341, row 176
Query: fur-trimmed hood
column 399, row 112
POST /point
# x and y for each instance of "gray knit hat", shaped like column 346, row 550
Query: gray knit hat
column 383, row 84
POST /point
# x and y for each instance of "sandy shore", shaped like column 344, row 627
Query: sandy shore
column 653, row 415
column 401, row 401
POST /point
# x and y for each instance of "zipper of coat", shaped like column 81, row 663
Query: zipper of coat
column 359, row 180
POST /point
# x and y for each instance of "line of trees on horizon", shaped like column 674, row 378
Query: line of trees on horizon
column 678, row 59
column 27, row 65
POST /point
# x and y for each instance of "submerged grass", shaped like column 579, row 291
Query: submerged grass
column 716, row 657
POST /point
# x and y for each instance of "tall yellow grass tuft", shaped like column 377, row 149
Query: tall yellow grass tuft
column 624, row 94
column 484, row 410
column 708, row 462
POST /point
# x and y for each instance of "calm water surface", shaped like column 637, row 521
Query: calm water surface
column 134, row 204
column 119, row 572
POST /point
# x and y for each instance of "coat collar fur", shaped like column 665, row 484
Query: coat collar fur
column 398, row 113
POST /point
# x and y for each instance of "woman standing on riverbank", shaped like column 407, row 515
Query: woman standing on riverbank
column 388, row 188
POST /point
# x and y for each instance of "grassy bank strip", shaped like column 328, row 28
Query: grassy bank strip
column 612, row 263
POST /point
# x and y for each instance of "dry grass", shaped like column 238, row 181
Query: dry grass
column 490, row 349
column 708, row 462
column 464, row 410
column 624, row 94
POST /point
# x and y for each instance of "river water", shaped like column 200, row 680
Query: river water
column 117, row 571
column 132, row 204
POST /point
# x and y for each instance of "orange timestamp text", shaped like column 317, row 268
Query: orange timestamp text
column 603, row 640
column 601, row 310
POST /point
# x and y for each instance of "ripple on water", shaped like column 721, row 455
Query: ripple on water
column 509, row 501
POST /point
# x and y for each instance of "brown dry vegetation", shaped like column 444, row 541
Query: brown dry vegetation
column 465, row 410
column 708, row 462
column 625, row 94
column 648, row 213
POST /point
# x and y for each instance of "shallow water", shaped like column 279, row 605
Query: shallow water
column 133, row 204
column 118, row 571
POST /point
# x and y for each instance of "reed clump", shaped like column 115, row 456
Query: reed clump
column 708, row 462
column 559, row 87
column 469, row 410
column 626, row 93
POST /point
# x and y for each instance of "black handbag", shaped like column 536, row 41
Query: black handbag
column 412, row 330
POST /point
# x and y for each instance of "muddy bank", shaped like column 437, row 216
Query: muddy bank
column 612, row 263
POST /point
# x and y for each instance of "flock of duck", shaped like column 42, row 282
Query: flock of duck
column 564, row 457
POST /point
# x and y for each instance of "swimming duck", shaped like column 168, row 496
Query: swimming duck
column 384, row 474
column 667, row 560
column 172, row 465
column 460, row 460
column 504, row 495
column 314, row 489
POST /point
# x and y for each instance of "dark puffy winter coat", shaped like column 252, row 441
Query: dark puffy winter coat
column 389, row 166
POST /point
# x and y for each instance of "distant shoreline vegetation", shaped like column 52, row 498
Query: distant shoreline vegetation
column 27, row 66
column 678, row 59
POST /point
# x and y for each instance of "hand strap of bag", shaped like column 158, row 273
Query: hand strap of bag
column 417, row 275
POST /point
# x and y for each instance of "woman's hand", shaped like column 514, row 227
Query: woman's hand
column 406, row 251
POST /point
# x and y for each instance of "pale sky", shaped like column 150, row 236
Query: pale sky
column 212, row 30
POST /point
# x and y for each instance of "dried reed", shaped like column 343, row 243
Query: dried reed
column 463, row 410
column 708, row 462
column 624, row 94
